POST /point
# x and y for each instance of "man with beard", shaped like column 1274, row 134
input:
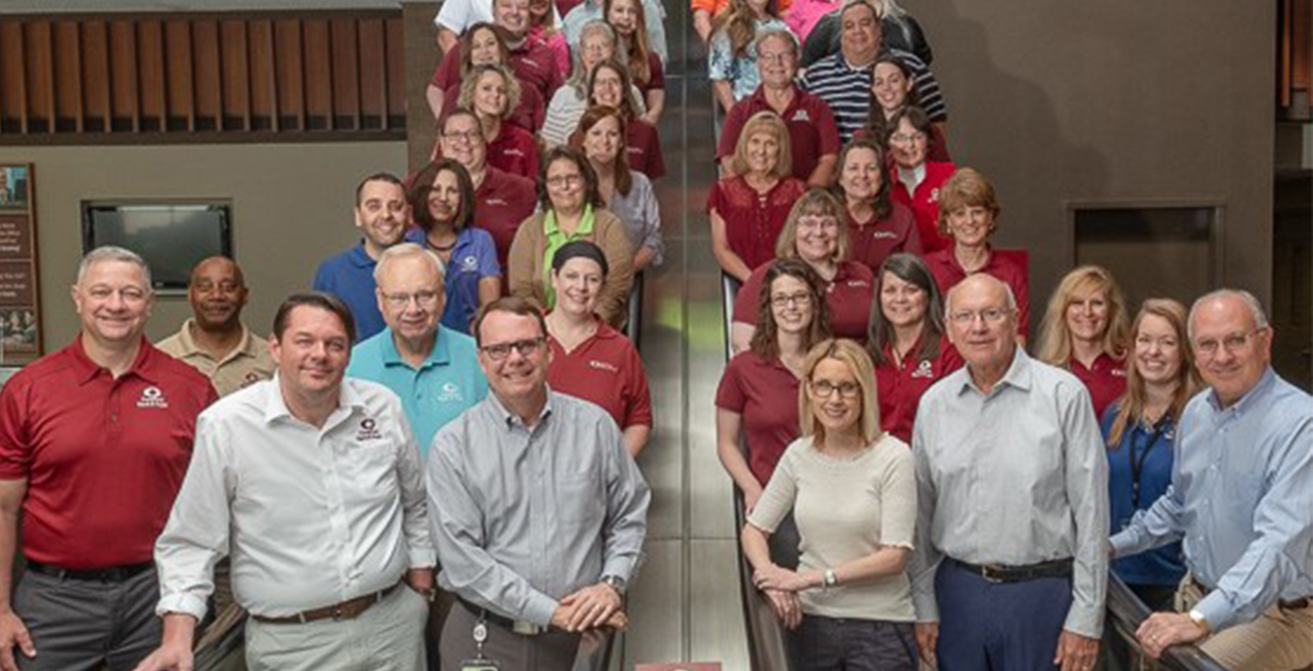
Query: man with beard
column 215, row 341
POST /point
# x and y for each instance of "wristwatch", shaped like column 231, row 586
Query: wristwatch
column 1200, row 621
column 829, row 579
column 615, row 582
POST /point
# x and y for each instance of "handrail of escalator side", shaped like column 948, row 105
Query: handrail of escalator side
column 1126, row 612
column 729, row 290
column 766, row 649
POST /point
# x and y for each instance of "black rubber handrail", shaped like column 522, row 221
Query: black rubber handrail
column 1126, row 612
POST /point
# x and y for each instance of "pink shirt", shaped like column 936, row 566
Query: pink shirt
column 803, row 15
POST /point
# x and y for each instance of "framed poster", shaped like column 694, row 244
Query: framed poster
column 20, row 295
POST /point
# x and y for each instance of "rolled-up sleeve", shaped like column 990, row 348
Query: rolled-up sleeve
column 1087, row 495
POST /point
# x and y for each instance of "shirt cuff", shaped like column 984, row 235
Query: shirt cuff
column 1123, row 543
column 1217, row 609
column 540, row 609
column 927, row 608
column 186, row 604
column 423, row 557
column 620, row 568
column 1082, row 621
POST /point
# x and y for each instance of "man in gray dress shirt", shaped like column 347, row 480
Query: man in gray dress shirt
column 538, row 510
column 1010, row 566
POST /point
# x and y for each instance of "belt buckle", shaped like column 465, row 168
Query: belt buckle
column 337, row 612
column 526, row 628
column 989, row 573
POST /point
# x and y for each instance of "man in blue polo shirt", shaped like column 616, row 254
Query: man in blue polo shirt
column 434, row 369
column 381, row 218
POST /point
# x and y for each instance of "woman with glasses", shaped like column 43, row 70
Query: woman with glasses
column 757, row 400
column 852, row 490
column 907, row 341
column 591, row 360
column 916, row 180
column 483, row 44
column 627, row 193
column 598, row 43
column 815, row 234
column 877, row 226
column 442, row 200
column 1085, row 331
column 571, row 209
column 893, row 88
column 968, row 217
column 492, row 93
column 607, row 88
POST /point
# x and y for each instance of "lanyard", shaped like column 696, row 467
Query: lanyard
column 1137, row 465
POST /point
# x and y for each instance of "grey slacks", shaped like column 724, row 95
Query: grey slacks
column 87, row 625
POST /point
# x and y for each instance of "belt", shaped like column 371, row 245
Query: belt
column 1292, row 604
column 521, row 627
column 107, row 574
column 347, row 610
column 1058, row 568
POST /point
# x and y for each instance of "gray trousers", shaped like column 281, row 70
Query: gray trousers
column 387, row 637
column 87, row 625
column 552, row 651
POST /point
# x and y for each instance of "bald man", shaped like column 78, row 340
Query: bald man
column 215, row 341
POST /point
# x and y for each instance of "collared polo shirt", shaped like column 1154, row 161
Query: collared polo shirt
column 533, row 64
column 1105, row 378
column 472, row 259
column 765, row 394
column 606, row 370
column 899, row 387
column 449, row 381
column 103, row 457
column 350, row 277
column 1003, row 266
column 514, row 151
column 874, row 241
column 247, row 364
column 924, row 202
column 504, row 201
column 529, row 114
column 848, row 296
column 812, row 129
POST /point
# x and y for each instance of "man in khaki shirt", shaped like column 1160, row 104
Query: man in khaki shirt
column 214, row 340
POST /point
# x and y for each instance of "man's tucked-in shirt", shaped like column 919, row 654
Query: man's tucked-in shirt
column 1240, row 499
column 1014, row 477
column 313, row 516
column 523, row 517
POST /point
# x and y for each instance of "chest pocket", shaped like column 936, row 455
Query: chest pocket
column 372, row 468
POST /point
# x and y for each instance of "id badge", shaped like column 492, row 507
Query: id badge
column 479, row 665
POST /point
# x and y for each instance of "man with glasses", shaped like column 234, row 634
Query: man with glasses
column 94, row 443
column 1010, row 566
column 539, row 512
column 1241, row 500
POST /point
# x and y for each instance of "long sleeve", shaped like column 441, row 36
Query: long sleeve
column 415, row 521
column 520, row 264
column 1153, row 527
column 627, row 500
column 611, row 237
column 1087, row 495
column 925, row 556
column 650, row 213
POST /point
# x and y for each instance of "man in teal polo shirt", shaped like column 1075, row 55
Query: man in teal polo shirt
column 434, row 370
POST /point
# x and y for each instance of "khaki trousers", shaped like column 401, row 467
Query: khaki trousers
column 1278, row 640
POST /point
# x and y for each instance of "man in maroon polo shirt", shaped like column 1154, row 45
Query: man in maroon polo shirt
column 813, row 135
column 502, row 201
column 94, row 442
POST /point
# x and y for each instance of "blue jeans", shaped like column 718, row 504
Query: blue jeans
column 845, row 644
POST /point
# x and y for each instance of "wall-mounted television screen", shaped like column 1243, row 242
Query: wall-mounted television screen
column 171, row 237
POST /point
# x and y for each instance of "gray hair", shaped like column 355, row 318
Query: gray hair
column 1255, row 307
column 1009, row 297
column 112, row 253
column 407, row 250
column 780, row 34
column 579, row 77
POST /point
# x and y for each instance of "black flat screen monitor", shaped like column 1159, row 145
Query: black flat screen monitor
column 172, row 238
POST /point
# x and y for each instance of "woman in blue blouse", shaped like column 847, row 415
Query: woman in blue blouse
column 442, row 203
column 1140, row 429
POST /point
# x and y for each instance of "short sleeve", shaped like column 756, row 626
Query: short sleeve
column 454, row 16
column 720, row 62
column 657, row 76
column 729, row 134
column 716, row 200
column 639, row 410
column 656, row 161
column 898, row 496
column 747, row 300
column 447, row 73
column 15, row 439
column 731, row 395
column 780, row 493
column 486, row 253
column 829, row 130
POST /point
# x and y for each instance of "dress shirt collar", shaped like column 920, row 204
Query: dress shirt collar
column 275, row 408
column 510, row 419
column 440, row 355
column 1019, row 375
column 1252, row 397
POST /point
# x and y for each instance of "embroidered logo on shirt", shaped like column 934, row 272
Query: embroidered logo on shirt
column 152, row 397
column 801, row 115
column 924, row 370
column 858, row 283
column 594, row 363
column 368, row 430
column 450, row 393
column 251, row 378
column 469, row 264
column 883, row 235
column 1119, row 372
column 934, row 195
column 512, row 152
column 495, row 201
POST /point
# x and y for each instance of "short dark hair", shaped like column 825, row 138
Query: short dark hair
column 315, row 299
column 379, row 177
column 423, row 184
column 516, row 305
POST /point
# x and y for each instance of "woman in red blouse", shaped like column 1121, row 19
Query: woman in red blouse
column 1086, row 330
column 877, row 226
column 915, row 179
column 492, row 92
column 747, row 211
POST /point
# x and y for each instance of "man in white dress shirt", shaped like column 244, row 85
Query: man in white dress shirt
column 313, row 483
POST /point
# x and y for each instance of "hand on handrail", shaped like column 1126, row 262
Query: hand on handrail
column 1163, row 630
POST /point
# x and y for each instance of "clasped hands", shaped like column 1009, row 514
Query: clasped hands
column 592, row 607
column 781, row 587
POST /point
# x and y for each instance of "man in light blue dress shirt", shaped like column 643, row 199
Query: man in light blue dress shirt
column 1241, row 500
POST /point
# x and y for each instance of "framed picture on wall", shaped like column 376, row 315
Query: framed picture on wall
column 20, row 294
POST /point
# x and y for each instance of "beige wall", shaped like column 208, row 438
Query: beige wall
column 1113, row 101
column 291, row 207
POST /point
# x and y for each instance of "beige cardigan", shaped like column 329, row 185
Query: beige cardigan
column 526, row 263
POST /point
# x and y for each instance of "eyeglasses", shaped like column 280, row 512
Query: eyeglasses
column 424, row 299
column 784, row 300
column 468, row 136
column 564, row 181
column 904, row 138
column 527, row 348
column 990, row 315
column 826, row 389
column 1232, row 343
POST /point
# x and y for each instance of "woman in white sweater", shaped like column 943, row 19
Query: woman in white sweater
column 852, row 490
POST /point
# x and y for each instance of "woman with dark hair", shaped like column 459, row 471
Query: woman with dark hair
column 1086, row 331
column 915, row 180
column 815, row 234
column 732, row 61
column 892, row 89
column 852, row 490
column 607, row 88
column 598, row 43
column 627, row 193
column 877, row 226
column 907, row 340
column 491, row 92
column 484, row 44
column 645, row 67
column 590, row 359
column 442, row 200
column 570, row 209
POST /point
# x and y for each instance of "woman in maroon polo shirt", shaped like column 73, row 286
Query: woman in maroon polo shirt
column 1086, row 330
column 590, row 359
column 482, row 44
column 491, row 91
column 757, row 401
column 915, row 179
column 610, row 87
column 645, row 68
column 748, row 210
column 877, row 226
column 815, row 234
column 892, row 89
column 968, row 218
column 907, row 341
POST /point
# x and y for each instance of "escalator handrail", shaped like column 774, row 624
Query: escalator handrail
column 1126, row 612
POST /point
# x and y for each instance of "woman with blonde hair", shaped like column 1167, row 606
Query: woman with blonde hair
column 1085, row 330
column 852, row 490
column 492, row 93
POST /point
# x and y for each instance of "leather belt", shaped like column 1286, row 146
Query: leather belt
column 521, row 627
column 347, row 610
column 107, row 574
column 1058, row 568
column 1292, row 604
